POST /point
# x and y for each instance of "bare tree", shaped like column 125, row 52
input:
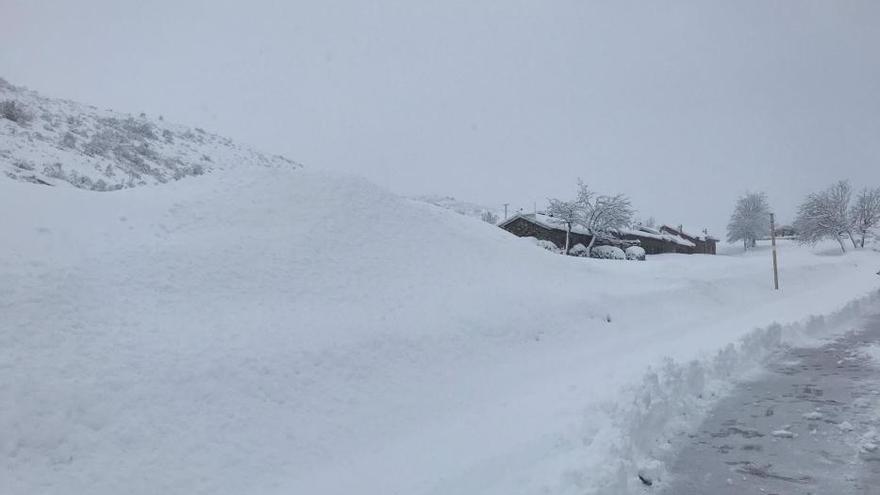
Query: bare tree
column 599, row 214
column 569, row 212
column 489, row 217
column 750, row 219
column 602, row 214
column 826, row 215
column 865, row 213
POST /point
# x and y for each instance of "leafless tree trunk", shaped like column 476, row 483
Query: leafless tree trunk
column 842, row 245
column 567, row 236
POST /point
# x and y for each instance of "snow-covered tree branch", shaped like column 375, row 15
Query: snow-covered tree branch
column 569, row 212
column 603, row 214
column 865, row 213
column 599, row 214
column 750, row 220
column 826, row 215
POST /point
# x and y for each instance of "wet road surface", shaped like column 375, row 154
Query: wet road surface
column 809, row 425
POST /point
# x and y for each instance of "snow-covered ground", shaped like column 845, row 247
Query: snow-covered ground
column 266, row 330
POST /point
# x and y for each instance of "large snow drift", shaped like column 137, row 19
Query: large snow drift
column 273, row 331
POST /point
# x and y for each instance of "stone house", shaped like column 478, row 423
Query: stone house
column 703, row 244
column 547, row 228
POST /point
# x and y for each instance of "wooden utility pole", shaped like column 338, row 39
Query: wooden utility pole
column 773, row 243
column 505, row 210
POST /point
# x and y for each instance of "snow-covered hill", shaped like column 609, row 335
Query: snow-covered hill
column 51, row 141
column 262, row 330
column 465, row 208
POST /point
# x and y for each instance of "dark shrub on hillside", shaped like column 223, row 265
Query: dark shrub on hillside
column 68, row 140
column 15, row 112
column 23, row 165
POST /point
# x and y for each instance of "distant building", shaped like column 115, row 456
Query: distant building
column 785, row 231
column 703, row 244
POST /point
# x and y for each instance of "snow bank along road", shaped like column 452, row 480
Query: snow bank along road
column 269, row 331
column 810, row 424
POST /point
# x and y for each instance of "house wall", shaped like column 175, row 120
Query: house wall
column 651, row 245
column 705, row 247
column 684, row 249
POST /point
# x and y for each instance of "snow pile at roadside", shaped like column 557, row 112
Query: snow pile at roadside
column 59, row 142
column 273, row 331
column 674, row 396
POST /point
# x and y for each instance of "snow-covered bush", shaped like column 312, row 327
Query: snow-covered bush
column 549, row 246
column 579, row 250
column 15, row 112
column 54, row 171
column 635, row 253
column 133, row 128
column 608, row 253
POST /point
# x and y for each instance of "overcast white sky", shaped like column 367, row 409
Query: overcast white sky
column 682, row 105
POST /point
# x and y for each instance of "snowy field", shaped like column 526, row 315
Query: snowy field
column 261, row 330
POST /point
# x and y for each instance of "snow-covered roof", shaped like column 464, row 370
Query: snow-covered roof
column 545, row 221
column 704, row 237
column 647, row 233
column 649, row 229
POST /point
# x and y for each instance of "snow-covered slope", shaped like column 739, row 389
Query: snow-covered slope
column 264, row 330
column 461, row 207
column 52, row 141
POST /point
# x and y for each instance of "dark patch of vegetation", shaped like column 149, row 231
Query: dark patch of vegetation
column 23, row 165
column 14, row 111
column 68, row 140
